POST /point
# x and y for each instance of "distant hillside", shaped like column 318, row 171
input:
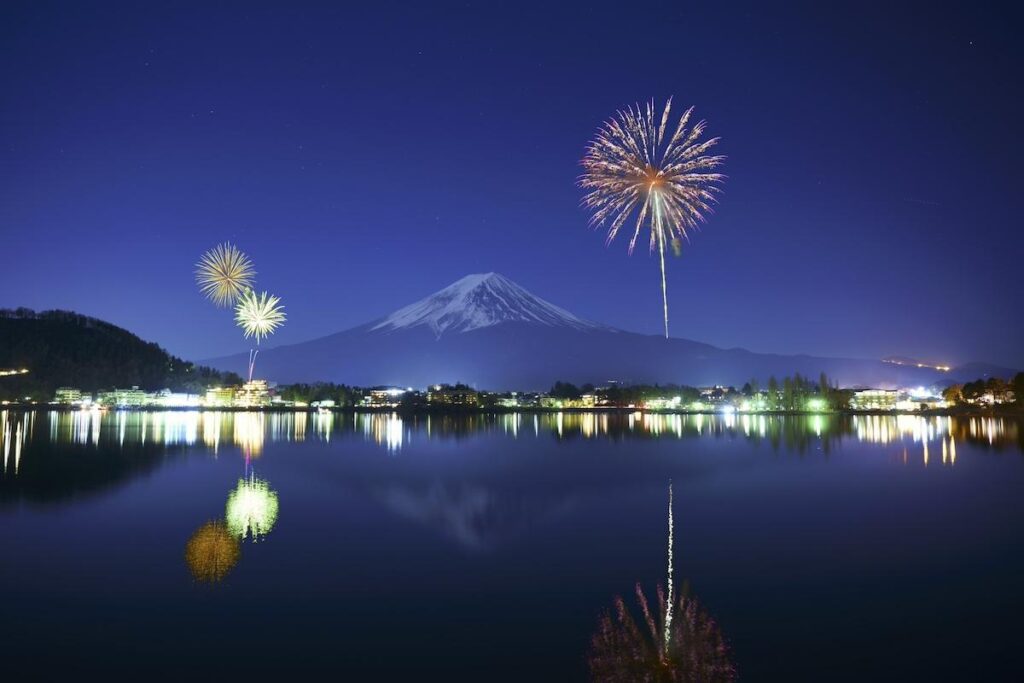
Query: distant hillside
column 61, row 348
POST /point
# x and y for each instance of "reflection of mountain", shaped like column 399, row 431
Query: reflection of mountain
column 473, row 514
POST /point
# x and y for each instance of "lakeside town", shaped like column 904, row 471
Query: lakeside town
column 792, row 394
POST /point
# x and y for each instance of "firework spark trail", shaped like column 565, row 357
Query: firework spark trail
column 224, row 274
column 631, row 167
column 661, row 257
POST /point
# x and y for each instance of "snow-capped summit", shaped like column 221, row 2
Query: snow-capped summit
column 477, row 301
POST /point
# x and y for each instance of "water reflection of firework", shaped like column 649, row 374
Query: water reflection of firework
column 252, row 508
column 622, row 650
column 683, row 643
column 212, row 552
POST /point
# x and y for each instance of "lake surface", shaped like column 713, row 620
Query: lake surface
column 487, row 547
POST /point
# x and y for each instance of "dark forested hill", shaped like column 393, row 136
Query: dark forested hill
column 60, row 348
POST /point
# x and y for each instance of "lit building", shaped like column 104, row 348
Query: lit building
column 383, row 397
column 444, row 394
column 518, row 400
column 167, row 399
column 122, row 398
column 253, row 394
column 507, row 401
column 584, row 401
column 219, row 397
column 713, row 394
column 920, row 398
column 67, row 395
column 876, row 399
column 911, row 404
column 673, row 403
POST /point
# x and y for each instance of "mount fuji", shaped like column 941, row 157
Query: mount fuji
column 489, row 332
column 479, row 301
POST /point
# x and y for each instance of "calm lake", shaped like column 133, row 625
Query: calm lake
column 487, row 547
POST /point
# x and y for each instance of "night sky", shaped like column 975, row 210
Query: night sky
column 367, row 156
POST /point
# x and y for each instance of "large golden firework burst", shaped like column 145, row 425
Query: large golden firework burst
column 259, row 314
column 224, row 273
column 632, row 168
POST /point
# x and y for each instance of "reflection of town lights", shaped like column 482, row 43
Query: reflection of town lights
column 817, row 424
column 394, row 433
column 251, row 509
column 324, row 422
column 249, row 429
column 386, row 430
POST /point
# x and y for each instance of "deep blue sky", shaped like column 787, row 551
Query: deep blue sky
column 366, row 156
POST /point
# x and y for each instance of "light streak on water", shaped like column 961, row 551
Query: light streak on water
column 249, row 431
column 670, row 597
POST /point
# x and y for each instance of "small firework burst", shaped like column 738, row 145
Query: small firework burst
column 259, row 315
column 632, row 168
column 224, row 274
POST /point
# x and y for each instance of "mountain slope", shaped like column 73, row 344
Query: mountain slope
column 478, row 301
column 490, row 332
column 61, row 348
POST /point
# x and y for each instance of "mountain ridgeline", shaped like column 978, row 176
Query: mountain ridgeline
column 488, row 331
column 60, row 348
